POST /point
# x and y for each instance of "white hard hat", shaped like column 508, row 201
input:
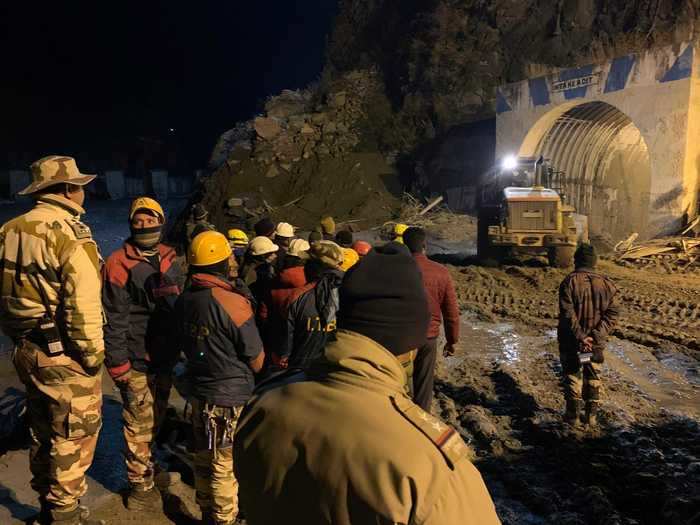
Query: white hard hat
column 262, row 246
column 299, row 248
column 284, row 229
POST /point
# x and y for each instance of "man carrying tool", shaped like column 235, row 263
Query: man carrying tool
column 51, row 309
column 140, row 286
column 223, row 350
column 587, row 314
column 442, row 300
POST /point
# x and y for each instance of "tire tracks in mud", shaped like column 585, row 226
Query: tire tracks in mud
column 653, row 315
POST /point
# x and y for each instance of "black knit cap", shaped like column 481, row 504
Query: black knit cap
column 344, row 238
column 585, row 256
column 383, row 298
column 264, row 227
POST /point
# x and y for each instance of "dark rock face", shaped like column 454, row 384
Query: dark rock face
column 441, row 59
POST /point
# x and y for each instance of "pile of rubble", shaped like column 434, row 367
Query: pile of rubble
column 299, row 124
column 674, row 254
column 304, row 158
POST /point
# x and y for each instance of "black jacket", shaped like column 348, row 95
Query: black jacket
column 217, row 329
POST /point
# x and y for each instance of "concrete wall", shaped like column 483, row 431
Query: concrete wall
column 653, row 90
column 115, row 184
column 159, row 181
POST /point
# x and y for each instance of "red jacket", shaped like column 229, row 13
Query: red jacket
column 442, row 298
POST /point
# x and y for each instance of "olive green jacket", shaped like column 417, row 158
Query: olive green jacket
column 49, row 247
column 344, row 445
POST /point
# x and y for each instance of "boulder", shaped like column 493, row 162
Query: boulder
column 338, row 100
column 307, row 130
column 267, row 128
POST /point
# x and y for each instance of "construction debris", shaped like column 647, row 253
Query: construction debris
column 435, row 217
column 671, row 253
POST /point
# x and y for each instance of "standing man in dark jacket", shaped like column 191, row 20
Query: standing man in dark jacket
column 140, row 286
column 442, row 300
column 587, row 314
column 223, row 350
column 303, row 316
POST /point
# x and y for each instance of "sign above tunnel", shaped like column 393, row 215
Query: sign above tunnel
column 658, row 66
column 580, row 82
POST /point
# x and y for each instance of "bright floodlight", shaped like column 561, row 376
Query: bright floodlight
column 509, row 162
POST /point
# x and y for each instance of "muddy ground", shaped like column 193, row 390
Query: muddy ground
column 501, row 391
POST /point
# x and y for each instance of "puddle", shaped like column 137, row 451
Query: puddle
column 499, row 341
column 671, row 379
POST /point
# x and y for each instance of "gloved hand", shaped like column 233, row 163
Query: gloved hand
column 92, row 370
column 120, row 373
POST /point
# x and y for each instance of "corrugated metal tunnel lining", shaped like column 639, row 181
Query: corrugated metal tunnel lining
column 604, row 165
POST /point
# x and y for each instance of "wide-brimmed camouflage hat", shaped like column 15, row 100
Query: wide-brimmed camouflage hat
column 55, row 169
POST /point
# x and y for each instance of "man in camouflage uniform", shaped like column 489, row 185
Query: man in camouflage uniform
column 50, row 274
column 587, row 314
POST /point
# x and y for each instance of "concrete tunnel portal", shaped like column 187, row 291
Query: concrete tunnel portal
column 602, row 161
column 622, row 134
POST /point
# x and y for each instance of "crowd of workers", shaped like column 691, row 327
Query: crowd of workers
column 310, row 362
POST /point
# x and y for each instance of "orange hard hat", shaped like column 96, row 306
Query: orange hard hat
column 362, row 248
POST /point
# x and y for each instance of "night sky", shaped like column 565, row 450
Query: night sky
column 78, row 76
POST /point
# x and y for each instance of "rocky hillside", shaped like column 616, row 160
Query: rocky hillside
column 442, row 59
column 406, row 90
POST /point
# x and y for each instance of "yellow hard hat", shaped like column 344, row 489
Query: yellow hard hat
column 146, row 203
column 399, row 229
column 209, row 247
column 238, row 237
column 328, row 225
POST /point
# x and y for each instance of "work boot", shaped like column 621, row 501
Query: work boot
column 572, row 414
column 78, row 516
column 145, row 499
column 209, row 519
column 590, row 413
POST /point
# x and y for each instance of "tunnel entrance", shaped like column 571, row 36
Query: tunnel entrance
column 603, row 166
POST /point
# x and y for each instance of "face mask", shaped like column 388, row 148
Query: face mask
column 146, row 238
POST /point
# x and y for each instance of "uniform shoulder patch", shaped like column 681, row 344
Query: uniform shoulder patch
column 81, row 230
column 444, row 437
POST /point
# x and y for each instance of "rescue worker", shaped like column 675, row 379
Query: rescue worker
column 588, row 312
column 327, row 228
column 315, row 236
column 51, row 309
column 239, row 243
column 340, row 442
column 350, row 257
column 284, row 234
column 223, row 350
column 140, row 285
column 297, row 255
column 442, row 300
column 304, row 308
column 265, row 228
column 258, row 269
column 398, row 231
column 362, row 248
column 198, row 221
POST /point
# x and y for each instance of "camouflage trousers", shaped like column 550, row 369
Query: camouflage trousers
column 580, row 381
column 64, row 406
column 144, row 400
column 216, row 486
